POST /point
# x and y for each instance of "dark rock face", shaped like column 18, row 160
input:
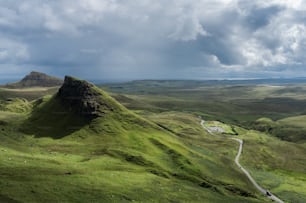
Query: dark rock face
column 80, row 96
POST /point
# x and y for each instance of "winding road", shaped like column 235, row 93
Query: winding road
column 202, row 124
column 265, row 192
column 259, row 188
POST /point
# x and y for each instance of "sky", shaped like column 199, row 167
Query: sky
column 153, row 39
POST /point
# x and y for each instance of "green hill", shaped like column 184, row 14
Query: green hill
column 290, row 129
column 81, row 145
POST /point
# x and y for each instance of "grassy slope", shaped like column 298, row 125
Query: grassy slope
column 26, row 93
column 118, row 157
column 291, row 128
column 277, row 165
column 16, row 105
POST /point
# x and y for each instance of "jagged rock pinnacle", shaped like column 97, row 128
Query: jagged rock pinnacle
column 80, row 96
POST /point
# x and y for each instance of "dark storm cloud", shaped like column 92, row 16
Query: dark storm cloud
column 153, row 39
column 257, row 16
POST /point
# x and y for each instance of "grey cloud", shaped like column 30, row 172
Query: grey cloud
column 260, row 17
column 153, row 39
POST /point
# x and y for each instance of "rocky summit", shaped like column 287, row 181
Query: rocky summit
column 81, row 97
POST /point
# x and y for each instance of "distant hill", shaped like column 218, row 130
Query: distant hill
column 36, row 79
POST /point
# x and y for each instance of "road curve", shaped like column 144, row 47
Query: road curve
column 202, row 124
column 262, row 190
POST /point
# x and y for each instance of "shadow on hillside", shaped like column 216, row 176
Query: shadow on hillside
column 52, row 119
column 6, row 199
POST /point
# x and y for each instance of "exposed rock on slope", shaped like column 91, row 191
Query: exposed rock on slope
column 84, row 98
column 36, row 79
column 77, row 104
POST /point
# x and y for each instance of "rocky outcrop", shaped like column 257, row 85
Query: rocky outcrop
column 81, row 97
column 36, row 79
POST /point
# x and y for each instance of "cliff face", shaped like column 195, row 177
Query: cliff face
column 81, row 97
column 36, row 79
column 76, row 104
